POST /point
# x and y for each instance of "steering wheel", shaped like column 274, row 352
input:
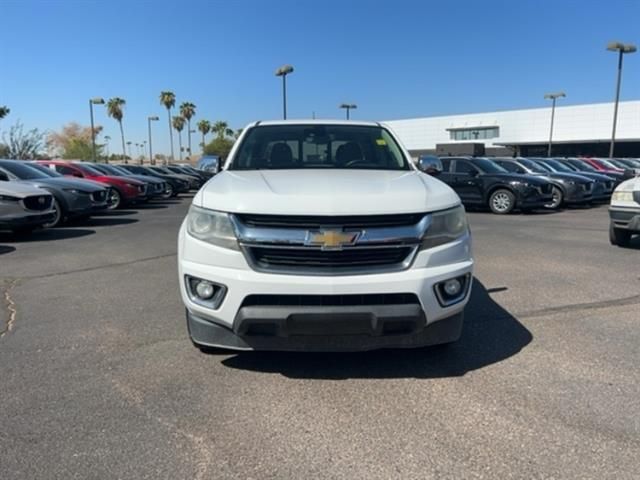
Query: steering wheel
column 358, row 161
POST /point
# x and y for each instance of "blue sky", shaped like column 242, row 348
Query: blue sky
column 395, row 59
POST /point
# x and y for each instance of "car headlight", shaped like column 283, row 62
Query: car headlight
column 211, row 227
column 6, row 198
column 72, row 191
column 622, row 196
column 446, row 226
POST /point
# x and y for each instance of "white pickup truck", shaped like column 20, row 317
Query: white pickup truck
column 323, row 236
column 624, row 212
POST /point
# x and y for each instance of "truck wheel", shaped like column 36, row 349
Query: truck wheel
column 619, row 236
column 502, row 201
column 558, row 198
column 58, row 218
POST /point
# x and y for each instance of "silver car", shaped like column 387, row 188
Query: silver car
column 22, row 207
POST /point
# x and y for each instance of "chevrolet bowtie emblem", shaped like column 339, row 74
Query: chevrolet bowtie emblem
column 331, row 239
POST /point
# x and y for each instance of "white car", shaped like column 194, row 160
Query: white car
column 23, row 207
column 624, row 212
column 322, row 236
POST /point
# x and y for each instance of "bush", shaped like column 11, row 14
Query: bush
column 219, row 146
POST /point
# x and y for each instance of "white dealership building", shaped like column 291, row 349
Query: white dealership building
column 578, row 130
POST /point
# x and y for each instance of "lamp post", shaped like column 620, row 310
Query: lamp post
column 283, row 71
column 189, row 149
column 149, row 120
column 621, row 48
column 92, row 102
column 553, row 97
column 348, row 107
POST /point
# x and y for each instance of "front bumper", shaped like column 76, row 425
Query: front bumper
column 228, row 326
column 627, row 218
column 576, row 194
column 26, row 220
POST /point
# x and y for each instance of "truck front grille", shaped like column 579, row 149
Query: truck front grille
column 351, row 300
column 38, row 202
column 288, row 245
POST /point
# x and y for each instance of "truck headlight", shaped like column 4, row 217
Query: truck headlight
column 211, row 227
column 619, row 196
column 446, row 226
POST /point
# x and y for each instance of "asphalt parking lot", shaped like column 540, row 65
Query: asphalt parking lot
column 99, row 380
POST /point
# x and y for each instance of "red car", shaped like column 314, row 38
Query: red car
column 123, row 190
column 602, row 165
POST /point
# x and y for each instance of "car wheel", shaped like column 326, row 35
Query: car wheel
column 502, row 201
column 558, row 198
column 168, row 192
column 115, row 199
column 59, row 215
column 619, row 236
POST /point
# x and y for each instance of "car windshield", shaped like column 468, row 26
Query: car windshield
column 47, row 171
column 488, row 166
column 541, row 164
column 606, row 164
column 558, row 166
column 175, row 169
column 160, row 170
column 583, row 166
column 319, row 146
column 533, row 166
column 23, row 171
column 89, row 170
column 120, row 170
column 109, row 170
column 618, row 163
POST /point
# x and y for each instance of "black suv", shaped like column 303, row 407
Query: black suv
column 481, row 182
column 568, row 188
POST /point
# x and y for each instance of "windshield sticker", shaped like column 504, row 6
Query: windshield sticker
column 381, row 142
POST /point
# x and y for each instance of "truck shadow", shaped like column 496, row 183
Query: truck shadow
column 490, row 335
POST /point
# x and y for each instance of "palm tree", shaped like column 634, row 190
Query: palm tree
column 237, row 133
column 221, row 128
column 205, row 127
column 115, row 107
column 178, row 124
column 188, row 110
column 129, row 145
column 168, row 99
column 107, row 138
column 4, row 111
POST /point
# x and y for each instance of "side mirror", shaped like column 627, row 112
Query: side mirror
column 4, row 177
column 430, row 165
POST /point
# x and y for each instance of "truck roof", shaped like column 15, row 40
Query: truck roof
column 314, row 121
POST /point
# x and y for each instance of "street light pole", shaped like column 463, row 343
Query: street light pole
column 149, row 120
column 553, row 97
column 621, row 48
column 283, row 71
column 92, row 102
column 348, row 107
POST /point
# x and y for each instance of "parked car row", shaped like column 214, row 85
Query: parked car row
column 505, row 184
column 48, row 193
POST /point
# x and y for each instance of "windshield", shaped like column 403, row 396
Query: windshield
column 488, row 166
column 585, row 167
column 558, row 166
column 47, row 171
column 533, row 166
column 23, row 171
column 606, row 164
column 110, row 170
column 618, row 163
column 160, row 170
column 541, row 164
column 319, row 146
column 89, row 170
column 120, row 170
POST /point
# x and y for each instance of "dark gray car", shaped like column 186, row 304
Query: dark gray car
column 72, row 198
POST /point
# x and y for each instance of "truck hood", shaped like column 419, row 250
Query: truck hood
column 325, row 192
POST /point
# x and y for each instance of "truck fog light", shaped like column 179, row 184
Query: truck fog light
column 452, row 287
column 204, row 290
column 453, row 290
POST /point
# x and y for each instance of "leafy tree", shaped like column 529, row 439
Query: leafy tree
column 4, row 151
column 115, row 109
column 4, row 111
column 168, row 99
column 205, row 127
column 21, row 145
column 219, row 146
column 237, row 133
column 188, row 111
column 222, row 129
column 178, row 124
column 73, row 142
